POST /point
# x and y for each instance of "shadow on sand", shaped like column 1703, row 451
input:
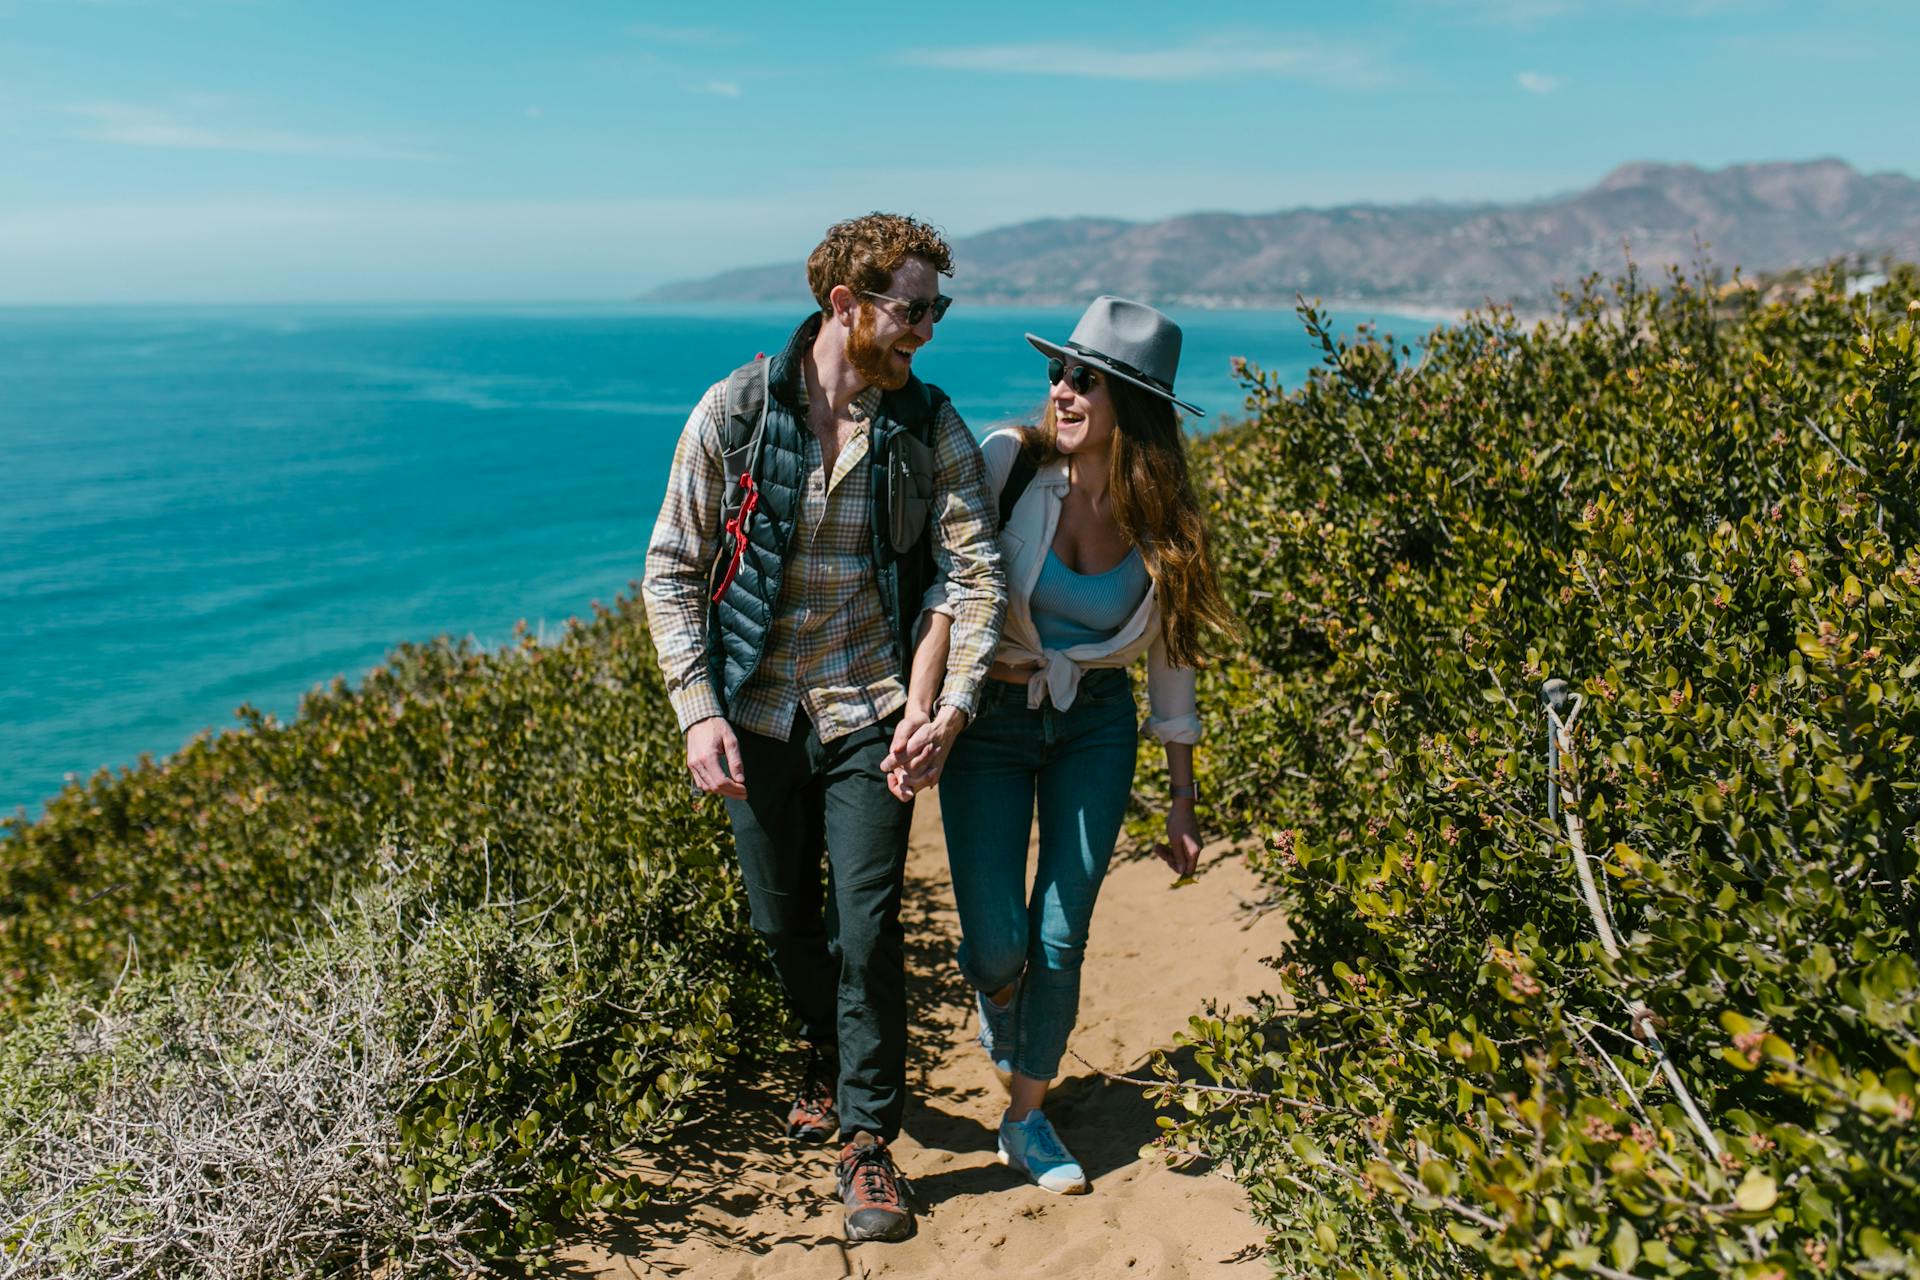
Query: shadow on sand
column 1110, row 1123
column 720, row 1172
column 723, row 1170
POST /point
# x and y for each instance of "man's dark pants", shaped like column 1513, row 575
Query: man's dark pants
column 840, row 955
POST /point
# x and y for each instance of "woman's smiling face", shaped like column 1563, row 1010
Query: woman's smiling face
column 1081, row 419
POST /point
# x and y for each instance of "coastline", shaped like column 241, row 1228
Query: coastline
column 227, row 505
column 1434, row 311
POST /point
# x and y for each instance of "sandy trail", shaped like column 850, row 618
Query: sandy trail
column 753, row 1205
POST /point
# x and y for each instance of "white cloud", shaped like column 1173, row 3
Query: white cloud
column 1807, row 46
column 129, row 124
column 662, row 33
column 720, row 88
column 1529, row 14
column 1538, row 82
column 1507, row 13
column 1204, row 59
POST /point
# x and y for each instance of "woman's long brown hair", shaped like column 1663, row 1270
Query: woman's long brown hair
column 1157, row 510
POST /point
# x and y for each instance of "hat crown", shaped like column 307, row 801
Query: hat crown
column 1131, row 333
column 1130, row 341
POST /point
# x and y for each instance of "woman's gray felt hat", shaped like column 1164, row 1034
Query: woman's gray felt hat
column 1129, row 340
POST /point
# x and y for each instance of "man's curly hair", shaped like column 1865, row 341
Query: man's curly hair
column 863, row 253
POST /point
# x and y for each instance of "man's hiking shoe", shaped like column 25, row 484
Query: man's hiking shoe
column 997, row 1029
column 870, row 1189
column 1032, row 1147
column 813, row 1117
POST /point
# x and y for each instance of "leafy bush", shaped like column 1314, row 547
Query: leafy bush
column 543, row 769
column 432, row 1090
column 1700, row 513
column 577, row 933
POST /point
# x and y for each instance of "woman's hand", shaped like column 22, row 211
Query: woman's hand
column 1182, row 849
column 918, row 758
column 913, row 722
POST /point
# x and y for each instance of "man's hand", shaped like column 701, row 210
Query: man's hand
column 1182, row 850
column 913, row 724
column 917, row 764
column 713, row 758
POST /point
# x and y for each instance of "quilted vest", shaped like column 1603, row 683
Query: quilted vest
column 899, row 456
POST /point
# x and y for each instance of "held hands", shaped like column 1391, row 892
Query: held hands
column 913, row 722
column 713, row 758
column 1182, row 849
column 920, row 749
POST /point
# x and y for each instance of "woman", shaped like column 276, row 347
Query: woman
column 1106, row 559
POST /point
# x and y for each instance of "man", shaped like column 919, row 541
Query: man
column 812, row 500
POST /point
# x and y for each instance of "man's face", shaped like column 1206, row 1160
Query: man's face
column 882, row 344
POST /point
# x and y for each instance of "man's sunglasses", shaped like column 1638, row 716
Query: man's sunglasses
column 1080, row 377
column 917, row 308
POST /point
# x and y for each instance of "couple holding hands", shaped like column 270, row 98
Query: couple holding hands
column 853, row 601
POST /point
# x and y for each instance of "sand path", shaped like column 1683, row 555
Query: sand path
column 754, row 1206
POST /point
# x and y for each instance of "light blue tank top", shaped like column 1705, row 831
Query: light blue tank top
column 1084, row 608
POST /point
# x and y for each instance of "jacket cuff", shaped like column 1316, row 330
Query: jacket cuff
column 1174, row 728
column 694, row 703
column 963, row 697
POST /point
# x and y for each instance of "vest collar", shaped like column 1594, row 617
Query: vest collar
column 786, row 374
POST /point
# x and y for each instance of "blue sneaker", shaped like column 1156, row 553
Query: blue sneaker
column 1032, row 1147
column 996, row 1029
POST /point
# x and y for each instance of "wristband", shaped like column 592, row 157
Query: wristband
column 1185, row 791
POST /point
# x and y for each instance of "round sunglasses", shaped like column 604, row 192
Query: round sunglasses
column 916, row 308
column 1080, row 377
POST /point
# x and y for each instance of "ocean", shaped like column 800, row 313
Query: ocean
column 203, row 507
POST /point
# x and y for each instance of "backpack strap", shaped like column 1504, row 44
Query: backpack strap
column 743, row 430
column 902, row 462
column 1022, row 474
column 742, row 433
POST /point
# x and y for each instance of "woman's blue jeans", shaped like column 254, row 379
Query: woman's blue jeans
column 1077, row 765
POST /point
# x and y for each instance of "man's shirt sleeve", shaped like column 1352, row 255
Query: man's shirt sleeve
column 967, row 556
column 679, row 557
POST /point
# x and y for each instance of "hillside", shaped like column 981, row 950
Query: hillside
column 448, row 970
column 1761, row 217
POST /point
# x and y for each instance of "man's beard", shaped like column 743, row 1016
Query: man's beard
column 873, row 362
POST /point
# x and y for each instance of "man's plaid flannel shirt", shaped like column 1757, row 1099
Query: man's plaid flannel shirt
column 831, row 649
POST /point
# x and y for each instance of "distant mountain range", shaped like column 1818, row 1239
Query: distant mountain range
column 1760, row 217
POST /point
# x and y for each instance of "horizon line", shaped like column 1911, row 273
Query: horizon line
column 1337, row 303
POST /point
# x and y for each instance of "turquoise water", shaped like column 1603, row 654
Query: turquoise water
column 204, row 507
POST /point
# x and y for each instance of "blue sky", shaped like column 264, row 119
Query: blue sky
column 264, row 150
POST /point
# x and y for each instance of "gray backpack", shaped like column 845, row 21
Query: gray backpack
column 903, row 480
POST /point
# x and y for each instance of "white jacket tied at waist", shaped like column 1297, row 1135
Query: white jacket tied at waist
column 1024, row 543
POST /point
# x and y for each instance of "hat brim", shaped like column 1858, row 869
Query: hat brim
column 1093, row 358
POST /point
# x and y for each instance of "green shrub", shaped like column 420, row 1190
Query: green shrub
column 425, row 1089
column 1702, row 516
column 550, row 770
column 579, row 926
